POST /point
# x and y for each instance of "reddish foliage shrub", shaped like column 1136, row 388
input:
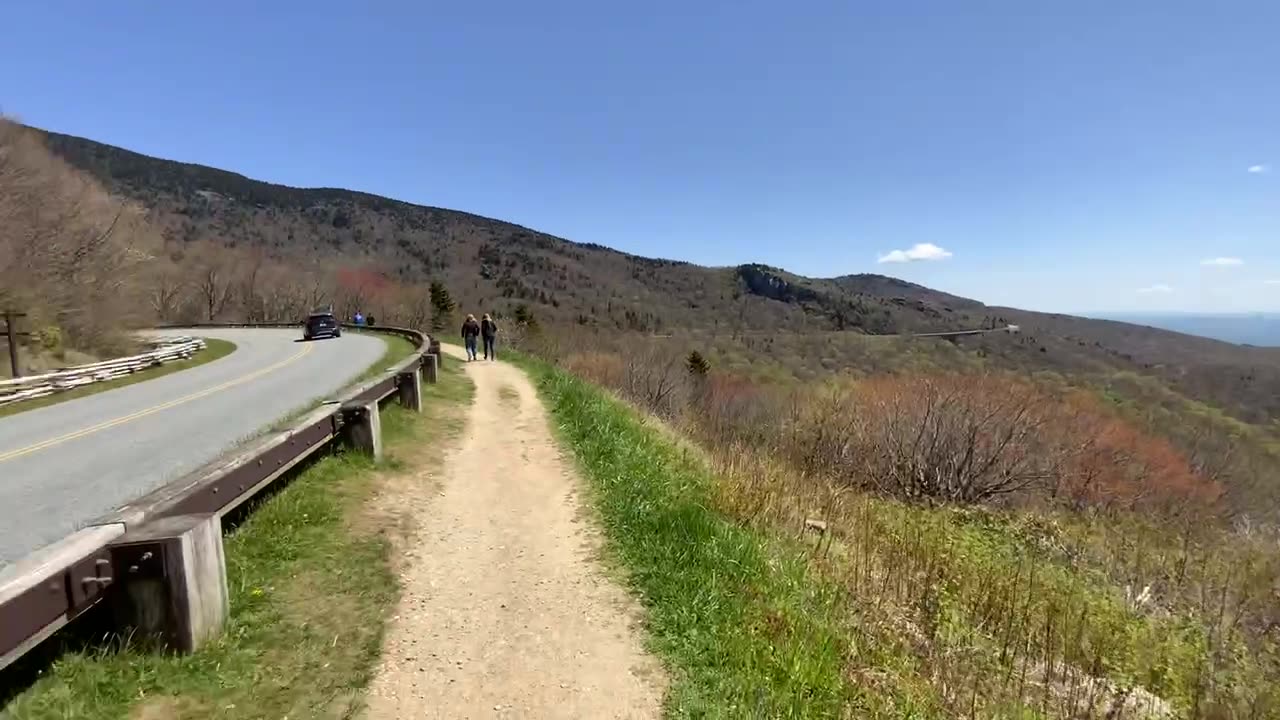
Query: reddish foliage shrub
column 1114, row 464
column 952, row 438
column 603, row 369
column 976, row 438
column 944, row 438
column 729, row 409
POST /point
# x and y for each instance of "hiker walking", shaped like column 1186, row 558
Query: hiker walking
column 470, row 331
column 489, row 331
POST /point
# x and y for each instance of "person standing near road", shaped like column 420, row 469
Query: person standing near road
column 470, row 331
column 489, row 332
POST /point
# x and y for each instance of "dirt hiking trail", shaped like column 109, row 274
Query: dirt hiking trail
column 505, row 612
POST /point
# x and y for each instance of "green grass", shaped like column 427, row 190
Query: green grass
column 398, row 348
column 453, row 387
column 311, row 589
column 910, row 611
column 1025, row 609
column 743, row 628
column 213, row 350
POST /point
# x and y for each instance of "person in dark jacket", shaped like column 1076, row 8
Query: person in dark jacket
column 470, row 331
column 489, row 332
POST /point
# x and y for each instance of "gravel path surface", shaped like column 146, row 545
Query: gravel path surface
column 64, row 465
column 505, row 612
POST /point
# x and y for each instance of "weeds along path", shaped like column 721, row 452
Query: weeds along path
column 505, row 611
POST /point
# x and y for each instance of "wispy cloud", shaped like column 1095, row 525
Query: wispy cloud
column 1222, row 262
column 916, row 253
column 1259, row 169
column 1158, row 289
column 1271, row 282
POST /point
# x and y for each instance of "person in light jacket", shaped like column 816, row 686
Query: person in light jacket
column 470, row 331
column 489, row 333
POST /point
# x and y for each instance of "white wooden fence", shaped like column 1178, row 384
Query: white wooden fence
column 167, row 350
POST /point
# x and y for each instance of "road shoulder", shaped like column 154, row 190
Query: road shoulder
column 311, row 570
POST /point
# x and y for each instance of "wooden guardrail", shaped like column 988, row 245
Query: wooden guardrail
column 159, row 559
column 34, row 386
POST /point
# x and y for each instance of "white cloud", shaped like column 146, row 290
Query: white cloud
column 1155, row 289
column 1222, row 262
column 1259, row 169
column 919, row 251
column 1272, row 282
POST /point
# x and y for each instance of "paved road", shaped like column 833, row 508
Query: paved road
column 66, row 464
column 962, row 333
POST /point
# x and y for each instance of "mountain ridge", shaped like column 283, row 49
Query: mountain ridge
column 496, row 264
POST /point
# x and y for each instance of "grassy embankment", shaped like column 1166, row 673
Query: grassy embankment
column 899, row 610
column 398, row 348
column 744, row 629
column 311, row 586
column 213, row 350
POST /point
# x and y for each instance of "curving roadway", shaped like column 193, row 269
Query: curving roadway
column 64, row 465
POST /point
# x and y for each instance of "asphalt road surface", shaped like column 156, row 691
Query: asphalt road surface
column 64, row 465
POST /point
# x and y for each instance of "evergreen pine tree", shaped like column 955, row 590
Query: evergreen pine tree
column 442, row 307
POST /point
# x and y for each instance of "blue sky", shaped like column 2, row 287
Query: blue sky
column 1060, row 156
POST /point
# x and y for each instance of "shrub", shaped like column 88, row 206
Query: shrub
column 49, row 338
column 1077, row 608
column 984, row 437
column 921, row 437
column 697, row 365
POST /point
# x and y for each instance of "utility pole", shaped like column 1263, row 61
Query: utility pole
column 12, row 334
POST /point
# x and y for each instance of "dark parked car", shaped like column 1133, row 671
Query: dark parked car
column 321, row 324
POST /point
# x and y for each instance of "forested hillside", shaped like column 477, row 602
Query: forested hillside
column 215, row 245
column 384, row 245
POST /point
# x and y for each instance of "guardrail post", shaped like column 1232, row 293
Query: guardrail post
column 172, row 578
column 409, row 386
column 363, row 428
column 431, row 367
column 12, row 334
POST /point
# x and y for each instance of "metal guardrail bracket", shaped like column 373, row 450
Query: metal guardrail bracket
column 141, row 560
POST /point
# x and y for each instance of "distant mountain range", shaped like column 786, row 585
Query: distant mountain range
column 1260, row 329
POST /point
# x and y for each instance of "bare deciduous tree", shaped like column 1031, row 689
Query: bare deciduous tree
column 167, row 289
column 213, row 280
column 70, row 254
column 955, row 438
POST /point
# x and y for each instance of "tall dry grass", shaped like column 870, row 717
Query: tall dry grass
column 1014, row 548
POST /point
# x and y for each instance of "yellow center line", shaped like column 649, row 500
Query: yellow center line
column 151, row 410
